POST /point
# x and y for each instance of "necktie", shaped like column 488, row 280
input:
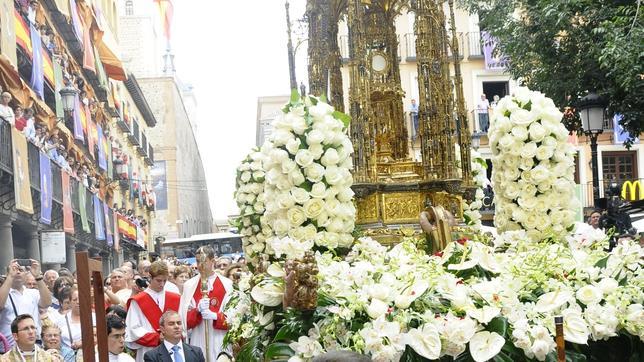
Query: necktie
column 176, row 354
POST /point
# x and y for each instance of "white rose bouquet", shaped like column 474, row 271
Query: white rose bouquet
column 308, row 175
column 533, row 166
column 471, row 211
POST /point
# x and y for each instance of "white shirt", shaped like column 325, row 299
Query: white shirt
column 7, row 113
column 122, row 357
column 171, row 287
column 157, row 297
column 169, row 346
column 74, row 328
column 483, row 105
column 26, row 303
column 30, row 129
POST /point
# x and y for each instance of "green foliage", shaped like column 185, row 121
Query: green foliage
column 278, row 351
column 566, row 48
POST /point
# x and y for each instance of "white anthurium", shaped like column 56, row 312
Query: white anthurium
column 409, row 295
column 575, row 327
column 425, row 341
column 485, row 314
column 275, row 270
column 553, row 300
column 268, row 294
column 485, row 345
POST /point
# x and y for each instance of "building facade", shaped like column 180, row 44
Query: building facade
column 268, row 108
column 183, row 207
column 75, row 168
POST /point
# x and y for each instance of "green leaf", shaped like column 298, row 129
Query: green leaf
column 278, row 350
column 286, row 333
column 295, row 96
column 323, row 98
column 498, row 325
column 502, row 357
column 601, row 263
column 345, row 118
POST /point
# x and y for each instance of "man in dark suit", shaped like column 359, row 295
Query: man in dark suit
column 173, row 349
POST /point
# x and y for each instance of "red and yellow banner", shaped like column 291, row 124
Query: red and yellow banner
column 24, row 41
column 68, row 216
column 126, row 227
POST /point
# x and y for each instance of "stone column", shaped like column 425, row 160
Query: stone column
column 6, row 243
column 33, row 246
column 71, row 256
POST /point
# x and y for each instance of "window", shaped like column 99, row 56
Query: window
column 620, row 166
column 500, row 89
column 129, row 7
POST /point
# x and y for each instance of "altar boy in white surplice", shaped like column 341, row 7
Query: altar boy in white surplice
column 200, row 312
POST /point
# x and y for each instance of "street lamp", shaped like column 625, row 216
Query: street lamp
column 68, row 95
column 476, row 140
column 592, row 110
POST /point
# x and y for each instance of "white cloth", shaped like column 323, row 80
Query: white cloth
column 158, row 298
column 197, row 336
column 483, row 105
column 136, row 326
column 74, row 328
column 171, row 287
column 123, row 357
column 169, row 346
column 26, row 303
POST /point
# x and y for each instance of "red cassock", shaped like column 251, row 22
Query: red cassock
column 152, row 313
column 216, row 296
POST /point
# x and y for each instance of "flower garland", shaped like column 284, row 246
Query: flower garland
column 471, row 211
column 308, row 175
column 249, row 196
column 533, row 166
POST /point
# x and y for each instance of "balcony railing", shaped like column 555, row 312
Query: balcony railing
column 475, row 45
column 122, row 124
column 143, row 147
column 6, row 156
column 149, row 159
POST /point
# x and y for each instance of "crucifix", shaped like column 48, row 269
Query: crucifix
column 89, row 274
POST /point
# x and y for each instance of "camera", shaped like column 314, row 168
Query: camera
column 141, row 283
column 24, row 262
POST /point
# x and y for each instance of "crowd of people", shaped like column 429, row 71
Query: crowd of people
column 153, row 309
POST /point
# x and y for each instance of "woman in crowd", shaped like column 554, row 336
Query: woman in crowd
column 51, row 341
column 180, row 275
column 70, row 324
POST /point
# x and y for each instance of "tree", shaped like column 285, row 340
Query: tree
column 565, row 48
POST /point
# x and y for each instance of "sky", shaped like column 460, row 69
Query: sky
column 232, row 52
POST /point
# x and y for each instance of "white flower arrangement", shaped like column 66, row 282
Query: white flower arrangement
column 471, row 211
column 308, row 175
column 250, row 199
column 380, row 301
column 533, row 166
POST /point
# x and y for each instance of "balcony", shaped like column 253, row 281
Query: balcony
column 149, row 158
column 134, row 133
column 122, row 124
column 475, row 45
column 143, row 147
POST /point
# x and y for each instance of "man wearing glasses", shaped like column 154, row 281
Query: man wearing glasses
column 24, row 332
column 116, row 339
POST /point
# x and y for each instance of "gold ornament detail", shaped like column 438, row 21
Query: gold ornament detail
column 301, row 283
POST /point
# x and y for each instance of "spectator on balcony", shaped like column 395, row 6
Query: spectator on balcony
column 413, row 113
column 51, row 147
column 495, row 101
column 93, row 184
column 5, row 109
column 482, row 109
column 21, row 121
column 30, row 129
column 40, row 136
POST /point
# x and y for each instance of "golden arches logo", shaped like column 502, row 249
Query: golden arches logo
column 632, row 188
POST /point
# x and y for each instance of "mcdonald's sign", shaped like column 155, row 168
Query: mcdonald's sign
column 632, row 188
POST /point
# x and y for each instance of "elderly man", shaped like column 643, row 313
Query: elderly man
column 173, row 348
column 50, row 278
column 15, row 299
column 5, row 109
column 25, row 332
column 145, row 309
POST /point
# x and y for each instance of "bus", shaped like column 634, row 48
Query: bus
column 225, row 244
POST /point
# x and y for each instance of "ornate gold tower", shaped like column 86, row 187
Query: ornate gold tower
column 391, row 187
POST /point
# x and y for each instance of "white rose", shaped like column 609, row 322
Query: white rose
column 296, row 216
column 529, row 150
column 506, row 142
column 288, row 165
column 318, row 190
column 315, row 172
column 314, row 137
column 424, row 341
column 608, row 285
column 537, row 132
column 377, row 308
column 313, row 208
column 285, row 200
column 296, row 177
column 485, row 345
column 332, row 175
column 320, row 110
column 589, row 294
column 298, row 123
column 245, row 176
column 300, row 195
column 330, row 158
column 520, row 117
column 345, row 195
column 282, row 137
column 522, row 95
column 258, row 175
column 309, row 232
column 304, row 158
column 520, row 132
column 293, row 145
column 281, row 227
column 544, row 153
column 316, row 150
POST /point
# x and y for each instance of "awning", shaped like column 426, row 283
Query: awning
column 107, row 46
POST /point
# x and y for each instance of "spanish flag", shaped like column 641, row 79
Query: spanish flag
column 48, row 68
column 22, row 32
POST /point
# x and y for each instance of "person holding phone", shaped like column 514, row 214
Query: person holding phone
column 15, row 299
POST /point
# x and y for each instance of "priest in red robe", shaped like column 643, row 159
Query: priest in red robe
column 201, row 312
column 145, row 310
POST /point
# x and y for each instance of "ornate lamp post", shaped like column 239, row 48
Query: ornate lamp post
column 476, row 140
column 592, row 111
column 68, row 95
